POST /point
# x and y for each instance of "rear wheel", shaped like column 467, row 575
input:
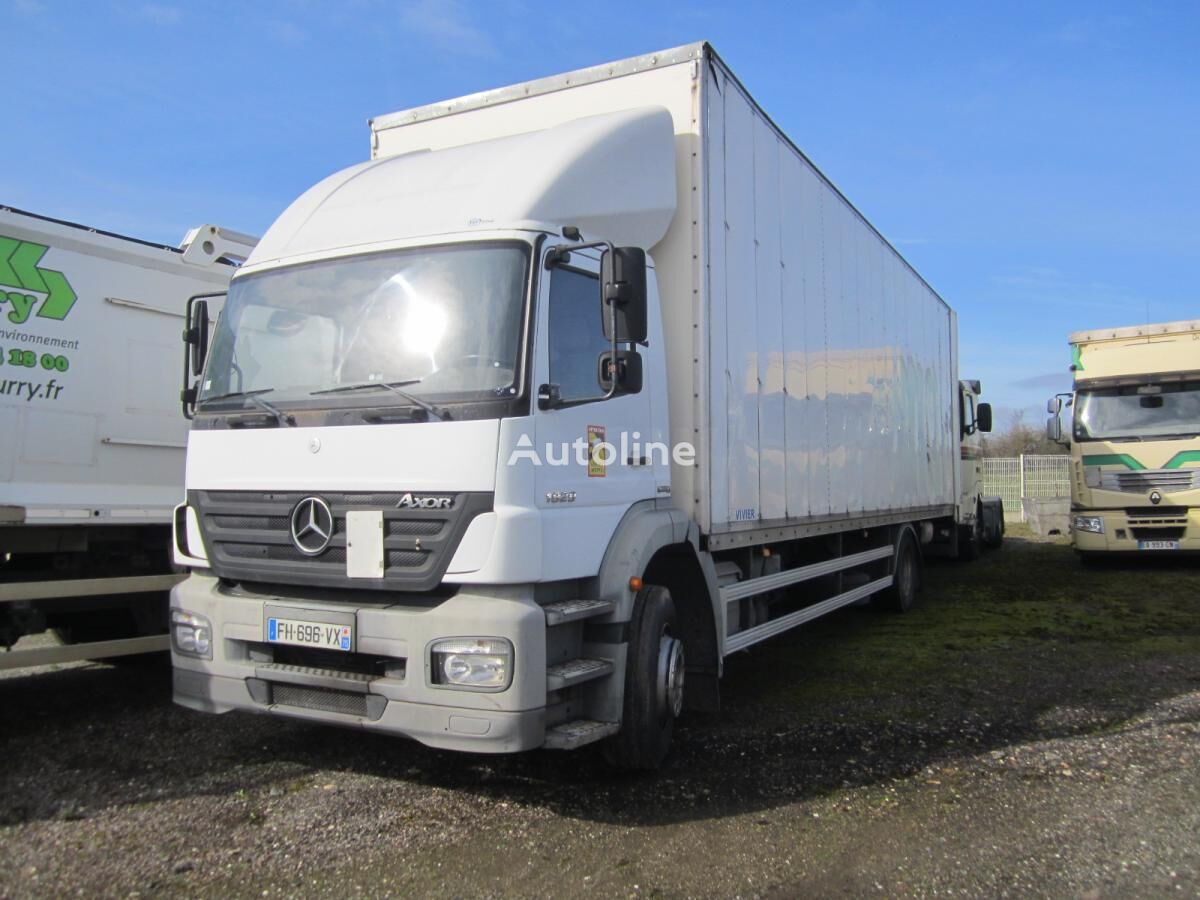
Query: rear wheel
column 906, row 576
column 654, row 676
column 993, row 530
column 970, row 540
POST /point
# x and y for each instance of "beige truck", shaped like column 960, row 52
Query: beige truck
column 1135, row 439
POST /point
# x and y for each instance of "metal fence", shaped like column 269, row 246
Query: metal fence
column 1016, row 477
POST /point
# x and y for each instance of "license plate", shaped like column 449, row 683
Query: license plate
column 310, row 634
column 1158, row 545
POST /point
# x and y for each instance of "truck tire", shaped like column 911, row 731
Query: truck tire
column 992, row 511
column 906, row 576
column 970, row 540
column 654, row 675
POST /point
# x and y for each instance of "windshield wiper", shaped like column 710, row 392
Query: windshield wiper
column 253, row 396
column 393, row 386
column 233, row 394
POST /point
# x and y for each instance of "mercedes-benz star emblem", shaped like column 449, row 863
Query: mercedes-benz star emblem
column 312, row 526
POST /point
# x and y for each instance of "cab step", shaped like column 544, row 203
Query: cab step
column 576, row 671
column 574, row 734
column 573, row 610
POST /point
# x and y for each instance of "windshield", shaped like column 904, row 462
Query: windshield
column 1147, row 412
column 442, row 321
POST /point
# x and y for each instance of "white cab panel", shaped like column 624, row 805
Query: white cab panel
column 611, row 174
column 415, row 456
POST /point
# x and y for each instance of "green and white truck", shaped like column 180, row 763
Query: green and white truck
column 91, row 438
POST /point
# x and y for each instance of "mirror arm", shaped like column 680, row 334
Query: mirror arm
column 613, row 382
column 557, row 254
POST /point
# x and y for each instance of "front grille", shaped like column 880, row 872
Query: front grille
column 1145, row 480
column 1157, row 515
column 325, row 699
column 331, row 660
column 248, row 537
column 1158, row 534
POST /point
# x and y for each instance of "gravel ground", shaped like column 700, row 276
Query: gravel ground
column 1032, row 729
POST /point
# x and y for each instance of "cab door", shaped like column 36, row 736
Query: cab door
column 592, row 454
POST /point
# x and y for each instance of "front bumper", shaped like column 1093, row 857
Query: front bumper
column 243, row 673
column 1124, row 533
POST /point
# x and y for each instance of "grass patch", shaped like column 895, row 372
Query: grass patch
column 1023, row 629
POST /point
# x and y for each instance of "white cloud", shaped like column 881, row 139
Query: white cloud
column 160, row 14
column 1092, row 31
column 1045, row 285
column 288, row 33
column 447, row 25
column 1052, row 381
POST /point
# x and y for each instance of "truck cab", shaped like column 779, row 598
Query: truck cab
column 402, row 378
column 981, row 519
column 1134, row 433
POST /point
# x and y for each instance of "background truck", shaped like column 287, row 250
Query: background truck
column 572, row 390
column 91, row 439
column 1135, row 439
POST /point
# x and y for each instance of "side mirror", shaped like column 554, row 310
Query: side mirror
column 195, row 348
column 1053, row 405
column 628, row 371
column 1054, row 429
column 623, row 286
column 983, row 417
column 195, row 336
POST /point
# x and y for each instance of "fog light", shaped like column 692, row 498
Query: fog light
column 478, row 664
column 1094, row 524
column 191, row 635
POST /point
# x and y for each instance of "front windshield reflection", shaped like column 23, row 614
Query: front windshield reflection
column 1146, row 412
column 445, row 321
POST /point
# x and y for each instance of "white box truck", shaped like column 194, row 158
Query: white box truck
column 511, row 434
column 91, row 436
column 1135, row 440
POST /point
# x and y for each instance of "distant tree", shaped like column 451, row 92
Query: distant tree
column 1019, row 437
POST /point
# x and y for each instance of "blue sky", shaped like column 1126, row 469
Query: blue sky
column 1037, row 162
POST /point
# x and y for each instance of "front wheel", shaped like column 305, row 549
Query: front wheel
column 654, row 676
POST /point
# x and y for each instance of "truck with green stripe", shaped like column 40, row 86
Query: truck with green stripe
column 91, row 437
column 1135, row 439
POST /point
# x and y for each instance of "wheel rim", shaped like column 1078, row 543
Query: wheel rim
column 670, row 675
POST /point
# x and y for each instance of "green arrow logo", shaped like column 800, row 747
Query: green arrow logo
column 19, row 268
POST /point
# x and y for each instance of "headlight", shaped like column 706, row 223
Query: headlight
column 191, row 635
column 479, row 664
column 1094, row 524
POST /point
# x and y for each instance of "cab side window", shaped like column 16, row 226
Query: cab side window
column 576, row 333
